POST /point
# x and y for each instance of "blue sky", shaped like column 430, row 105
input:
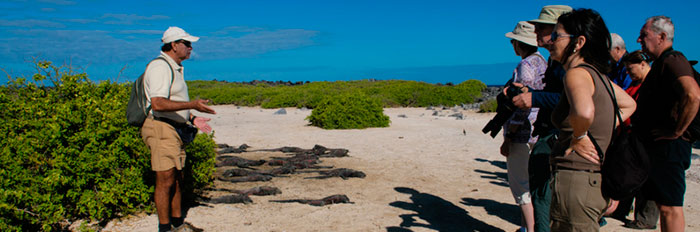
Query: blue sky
column 432, row 41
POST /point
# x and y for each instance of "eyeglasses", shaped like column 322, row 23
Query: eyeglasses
column 185, row 42
column 556, row 36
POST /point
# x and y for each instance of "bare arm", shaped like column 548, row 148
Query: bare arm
column 164, row 104
column 690, row 102
column 579, row 87
column 625, row 102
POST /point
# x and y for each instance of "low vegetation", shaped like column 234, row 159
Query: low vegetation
column 67, row 152
column 349, row 111
column 391, row 93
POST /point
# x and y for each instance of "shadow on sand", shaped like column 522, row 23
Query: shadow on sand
column 499, row 178
column 438, row 214
column 507, row 212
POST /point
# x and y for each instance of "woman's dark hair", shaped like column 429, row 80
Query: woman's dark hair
column 525, row 48
column 588, row 23
column 635, row 57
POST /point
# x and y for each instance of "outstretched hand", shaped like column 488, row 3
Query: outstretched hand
column 201, row 123
column 201, row 105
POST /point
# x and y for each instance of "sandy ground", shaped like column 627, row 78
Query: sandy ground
column 424, row 173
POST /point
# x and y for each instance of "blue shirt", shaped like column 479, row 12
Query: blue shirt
column 619, row 75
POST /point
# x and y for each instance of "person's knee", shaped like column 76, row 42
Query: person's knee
column 166, row 179
column 670, row 211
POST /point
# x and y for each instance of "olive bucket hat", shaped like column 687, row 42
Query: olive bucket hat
column 551, row 13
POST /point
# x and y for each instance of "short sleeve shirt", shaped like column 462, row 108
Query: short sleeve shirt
column 529, row 72
column 157, row 84
column 658, row 99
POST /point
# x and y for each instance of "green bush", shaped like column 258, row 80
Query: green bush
column 488, row 106
column 68, row 153
column 391, row 93
column 349, row 111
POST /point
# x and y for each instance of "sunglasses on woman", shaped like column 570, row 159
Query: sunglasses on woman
column 556, row 36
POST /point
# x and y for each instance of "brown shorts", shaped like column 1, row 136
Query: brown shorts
column 167, row 149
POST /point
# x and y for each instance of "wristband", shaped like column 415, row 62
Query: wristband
column 581, row 136
column 192, row 119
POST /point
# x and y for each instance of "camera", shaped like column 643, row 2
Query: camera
column 504, row 109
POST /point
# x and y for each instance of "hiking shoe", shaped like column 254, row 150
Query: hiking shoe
column 621, row 218
column 639, row 226
column 187, row 227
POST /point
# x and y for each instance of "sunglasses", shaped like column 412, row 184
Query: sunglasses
column 185, row 42
column 556, row 36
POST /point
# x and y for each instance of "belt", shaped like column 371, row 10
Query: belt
column 170, row 121
column 578, row 170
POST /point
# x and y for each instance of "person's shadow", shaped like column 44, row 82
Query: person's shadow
column 498, row 178
column 438, row 214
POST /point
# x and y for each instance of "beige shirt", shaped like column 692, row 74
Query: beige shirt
column 157, row 84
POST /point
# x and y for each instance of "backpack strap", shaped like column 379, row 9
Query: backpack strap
column 172, row 78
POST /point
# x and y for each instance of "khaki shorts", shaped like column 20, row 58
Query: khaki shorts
column 167, row 149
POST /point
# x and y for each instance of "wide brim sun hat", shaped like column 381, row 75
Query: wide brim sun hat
column 524, row 32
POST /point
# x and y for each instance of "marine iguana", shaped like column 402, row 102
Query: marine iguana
column 231, row 199
column 250, row 178
column 237, row 161
column 272, row 172
column 225, row 148
column 257, row 191
column 334, row 199
column 344, row 173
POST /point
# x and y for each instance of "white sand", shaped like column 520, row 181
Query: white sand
column 459, row 180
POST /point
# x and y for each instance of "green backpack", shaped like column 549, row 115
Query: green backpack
column 136, row 109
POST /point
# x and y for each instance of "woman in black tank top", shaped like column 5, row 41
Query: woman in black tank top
column 581, row 42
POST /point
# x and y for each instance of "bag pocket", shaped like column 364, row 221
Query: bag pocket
column 187, row 133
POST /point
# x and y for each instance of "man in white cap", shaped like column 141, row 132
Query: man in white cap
column 164, row 128
column 545, row 99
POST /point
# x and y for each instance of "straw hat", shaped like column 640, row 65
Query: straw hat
column 551, row 13
column 524, row 32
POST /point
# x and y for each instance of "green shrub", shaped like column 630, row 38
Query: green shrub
column 67, row 153
column 488, row 106
column 349, row 111
column 391, row 93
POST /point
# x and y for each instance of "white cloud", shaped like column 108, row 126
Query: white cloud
column 130, row 19
column 260, row 42
column 58, row 2
column 84, row 47
column 143, row 32
column 30, row 23
column 81, row 21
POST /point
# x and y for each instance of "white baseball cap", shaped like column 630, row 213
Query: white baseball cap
column 175, row 34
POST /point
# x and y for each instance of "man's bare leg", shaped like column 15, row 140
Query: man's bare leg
column 164, row 183
column 176, row 201
column 672, row 218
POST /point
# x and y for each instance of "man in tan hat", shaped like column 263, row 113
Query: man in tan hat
column 166, row 90
column 545, row 100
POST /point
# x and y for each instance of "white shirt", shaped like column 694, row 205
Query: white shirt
column 157, row 84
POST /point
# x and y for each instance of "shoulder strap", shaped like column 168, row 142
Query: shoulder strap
column 172, row 73
column 616, row 109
